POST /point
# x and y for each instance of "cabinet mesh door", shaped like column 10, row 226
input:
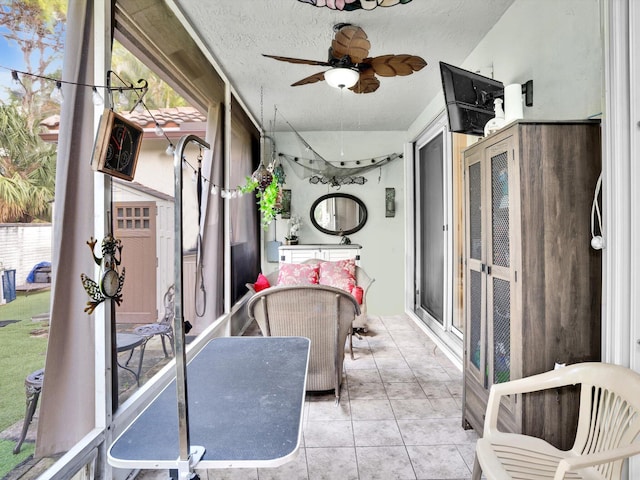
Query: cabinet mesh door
column 500, row 209
column 501, row 330
column 475, row 320
column 501, row 257
column 475, row 211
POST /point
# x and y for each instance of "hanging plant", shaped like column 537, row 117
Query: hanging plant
column 268, row 198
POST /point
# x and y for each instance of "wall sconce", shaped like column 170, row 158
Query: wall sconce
column 389, row 202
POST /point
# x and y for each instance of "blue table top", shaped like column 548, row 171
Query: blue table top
column 246, row 396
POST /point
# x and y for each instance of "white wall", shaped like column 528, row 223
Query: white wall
column 557, row 44
column 382, row 238
column 155, row 170
column 23, row 246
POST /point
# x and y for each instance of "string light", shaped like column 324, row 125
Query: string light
column 56, row 93
column 96, row 98
column 346, row 163
column 139, row 107
column 18, row 87
column 122, row 100
column 226, row 193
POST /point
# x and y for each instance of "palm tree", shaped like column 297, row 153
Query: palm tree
column 129, row 68
column 27, row 169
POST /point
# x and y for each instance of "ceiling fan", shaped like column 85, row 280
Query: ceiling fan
column 351, row 67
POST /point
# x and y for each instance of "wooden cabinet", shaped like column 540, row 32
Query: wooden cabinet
column 532, row 281
column 329, row 253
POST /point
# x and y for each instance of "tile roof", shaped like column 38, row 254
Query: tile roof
column 166, row 117
column 171, row 117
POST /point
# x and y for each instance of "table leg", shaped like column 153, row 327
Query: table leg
column 135, row 373
column 142, row 348
column 33, row 387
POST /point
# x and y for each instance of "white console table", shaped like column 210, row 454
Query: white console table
column 326, row 252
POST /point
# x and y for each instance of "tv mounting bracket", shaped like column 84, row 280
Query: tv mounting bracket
column 527, row 91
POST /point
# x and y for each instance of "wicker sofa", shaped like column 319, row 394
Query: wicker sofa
column 321, row 313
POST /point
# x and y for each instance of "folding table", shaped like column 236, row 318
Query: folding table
column 245, row 397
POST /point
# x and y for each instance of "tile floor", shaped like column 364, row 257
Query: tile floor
column 399, row 417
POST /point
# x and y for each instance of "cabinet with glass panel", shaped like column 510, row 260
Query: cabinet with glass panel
column 532, row 282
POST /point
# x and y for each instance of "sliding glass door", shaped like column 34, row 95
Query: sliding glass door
column 430, row 296
column 433, row 298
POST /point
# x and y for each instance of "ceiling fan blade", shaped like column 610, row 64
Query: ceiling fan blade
column 316, row 77
column 297, row 60
column 392, row 65
column 367, row 83
column 352, row 41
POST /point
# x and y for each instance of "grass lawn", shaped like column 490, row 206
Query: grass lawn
column 22, row 350
column 9, row 461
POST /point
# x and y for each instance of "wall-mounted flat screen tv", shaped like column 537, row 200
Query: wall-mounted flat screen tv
column 469, row 98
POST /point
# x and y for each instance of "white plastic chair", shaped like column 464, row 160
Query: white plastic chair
column 608, row 424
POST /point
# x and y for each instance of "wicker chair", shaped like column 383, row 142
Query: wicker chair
column 164, row 327
column 362, row 280
column 321, row 313
column 608, row 428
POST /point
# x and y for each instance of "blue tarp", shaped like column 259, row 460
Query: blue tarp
column 31, row 278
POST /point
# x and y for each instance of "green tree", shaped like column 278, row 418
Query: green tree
column 27, row 169
column 37, row 28
column 27, row 164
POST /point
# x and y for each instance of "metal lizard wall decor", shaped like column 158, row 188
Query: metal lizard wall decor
column 111, row 281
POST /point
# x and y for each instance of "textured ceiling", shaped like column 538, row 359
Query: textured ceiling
column 238, row 32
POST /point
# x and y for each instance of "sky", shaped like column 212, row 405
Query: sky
column 11, row 59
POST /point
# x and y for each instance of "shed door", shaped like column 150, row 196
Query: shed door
column 135, row 226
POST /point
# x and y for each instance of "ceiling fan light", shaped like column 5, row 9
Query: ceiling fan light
column 341, row 77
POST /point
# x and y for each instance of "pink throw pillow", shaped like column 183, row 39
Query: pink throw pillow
column 358, row 292
column 261, row 283
column 298, row 274
column 340, row 274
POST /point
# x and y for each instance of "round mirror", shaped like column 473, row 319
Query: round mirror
column 338, row 214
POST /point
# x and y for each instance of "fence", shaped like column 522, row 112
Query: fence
column 23, row 246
